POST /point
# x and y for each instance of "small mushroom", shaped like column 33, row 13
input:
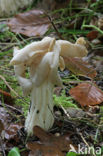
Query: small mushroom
column 43, row 76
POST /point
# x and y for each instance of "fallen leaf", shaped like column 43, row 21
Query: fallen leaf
column 92, row 35
column 49, row 145
column 87, row 94
column 44, row 150
column 8, row 99
column 79, row 67
column 31, row 23
column 62, row 142
column 12, row 130
column 14, row 152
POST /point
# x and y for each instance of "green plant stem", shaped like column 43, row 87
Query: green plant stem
column 92, row 26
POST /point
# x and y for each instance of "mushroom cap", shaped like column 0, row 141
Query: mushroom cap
column 43, row 63
column 81, row 41
column 48, row 68
column 43, row 58
column 28, row 53
column 69, row 49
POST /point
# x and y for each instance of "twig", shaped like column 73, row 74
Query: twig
column 66, row 113
column 12, row 89
column 51, row 21
column 8, row 85
column 76, row 82
column 83, row 139
column 13, row 108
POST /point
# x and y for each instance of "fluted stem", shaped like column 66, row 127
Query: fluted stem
column 41, row 111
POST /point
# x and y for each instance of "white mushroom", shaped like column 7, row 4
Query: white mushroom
column 20, row 73
column 43, row 58
column 31, row 51
column 43, row 76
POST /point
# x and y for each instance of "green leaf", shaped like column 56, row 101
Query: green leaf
column 71, row 154
column 14, row 152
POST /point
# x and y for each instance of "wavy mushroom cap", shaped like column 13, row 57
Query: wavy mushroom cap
column 28, row 53
column 43, row 65
column 69, row 49
column 48, row 68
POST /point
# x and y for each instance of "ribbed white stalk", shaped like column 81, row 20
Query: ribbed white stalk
column 41, row 111
column 8, row 7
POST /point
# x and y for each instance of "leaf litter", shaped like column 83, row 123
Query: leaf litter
column 90, row 93
column 80, row 67
column 31, row 23
column 47, row 144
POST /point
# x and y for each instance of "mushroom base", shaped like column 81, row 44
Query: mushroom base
column 41, row 111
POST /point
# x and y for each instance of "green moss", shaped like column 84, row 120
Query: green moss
column 64, row 100
column 24, row 103
column 71, row 77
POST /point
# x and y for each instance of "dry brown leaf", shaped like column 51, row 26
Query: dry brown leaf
column 87, row 94
column 62, row 142
column 92, row 35
column 45, row 150
column 8, row 99
column 31, row 23
column 49, row 145
column 79, row 67
column 12, row 130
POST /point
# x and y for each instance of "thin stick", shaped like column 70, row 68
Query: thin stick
column 8, row 85
column 64, row 110
column 13, row 108
column 84, row 139
column 51, row 21
column 12, row 89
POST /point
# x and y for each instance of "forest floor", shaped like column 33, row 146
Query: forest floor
column 78, row 127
